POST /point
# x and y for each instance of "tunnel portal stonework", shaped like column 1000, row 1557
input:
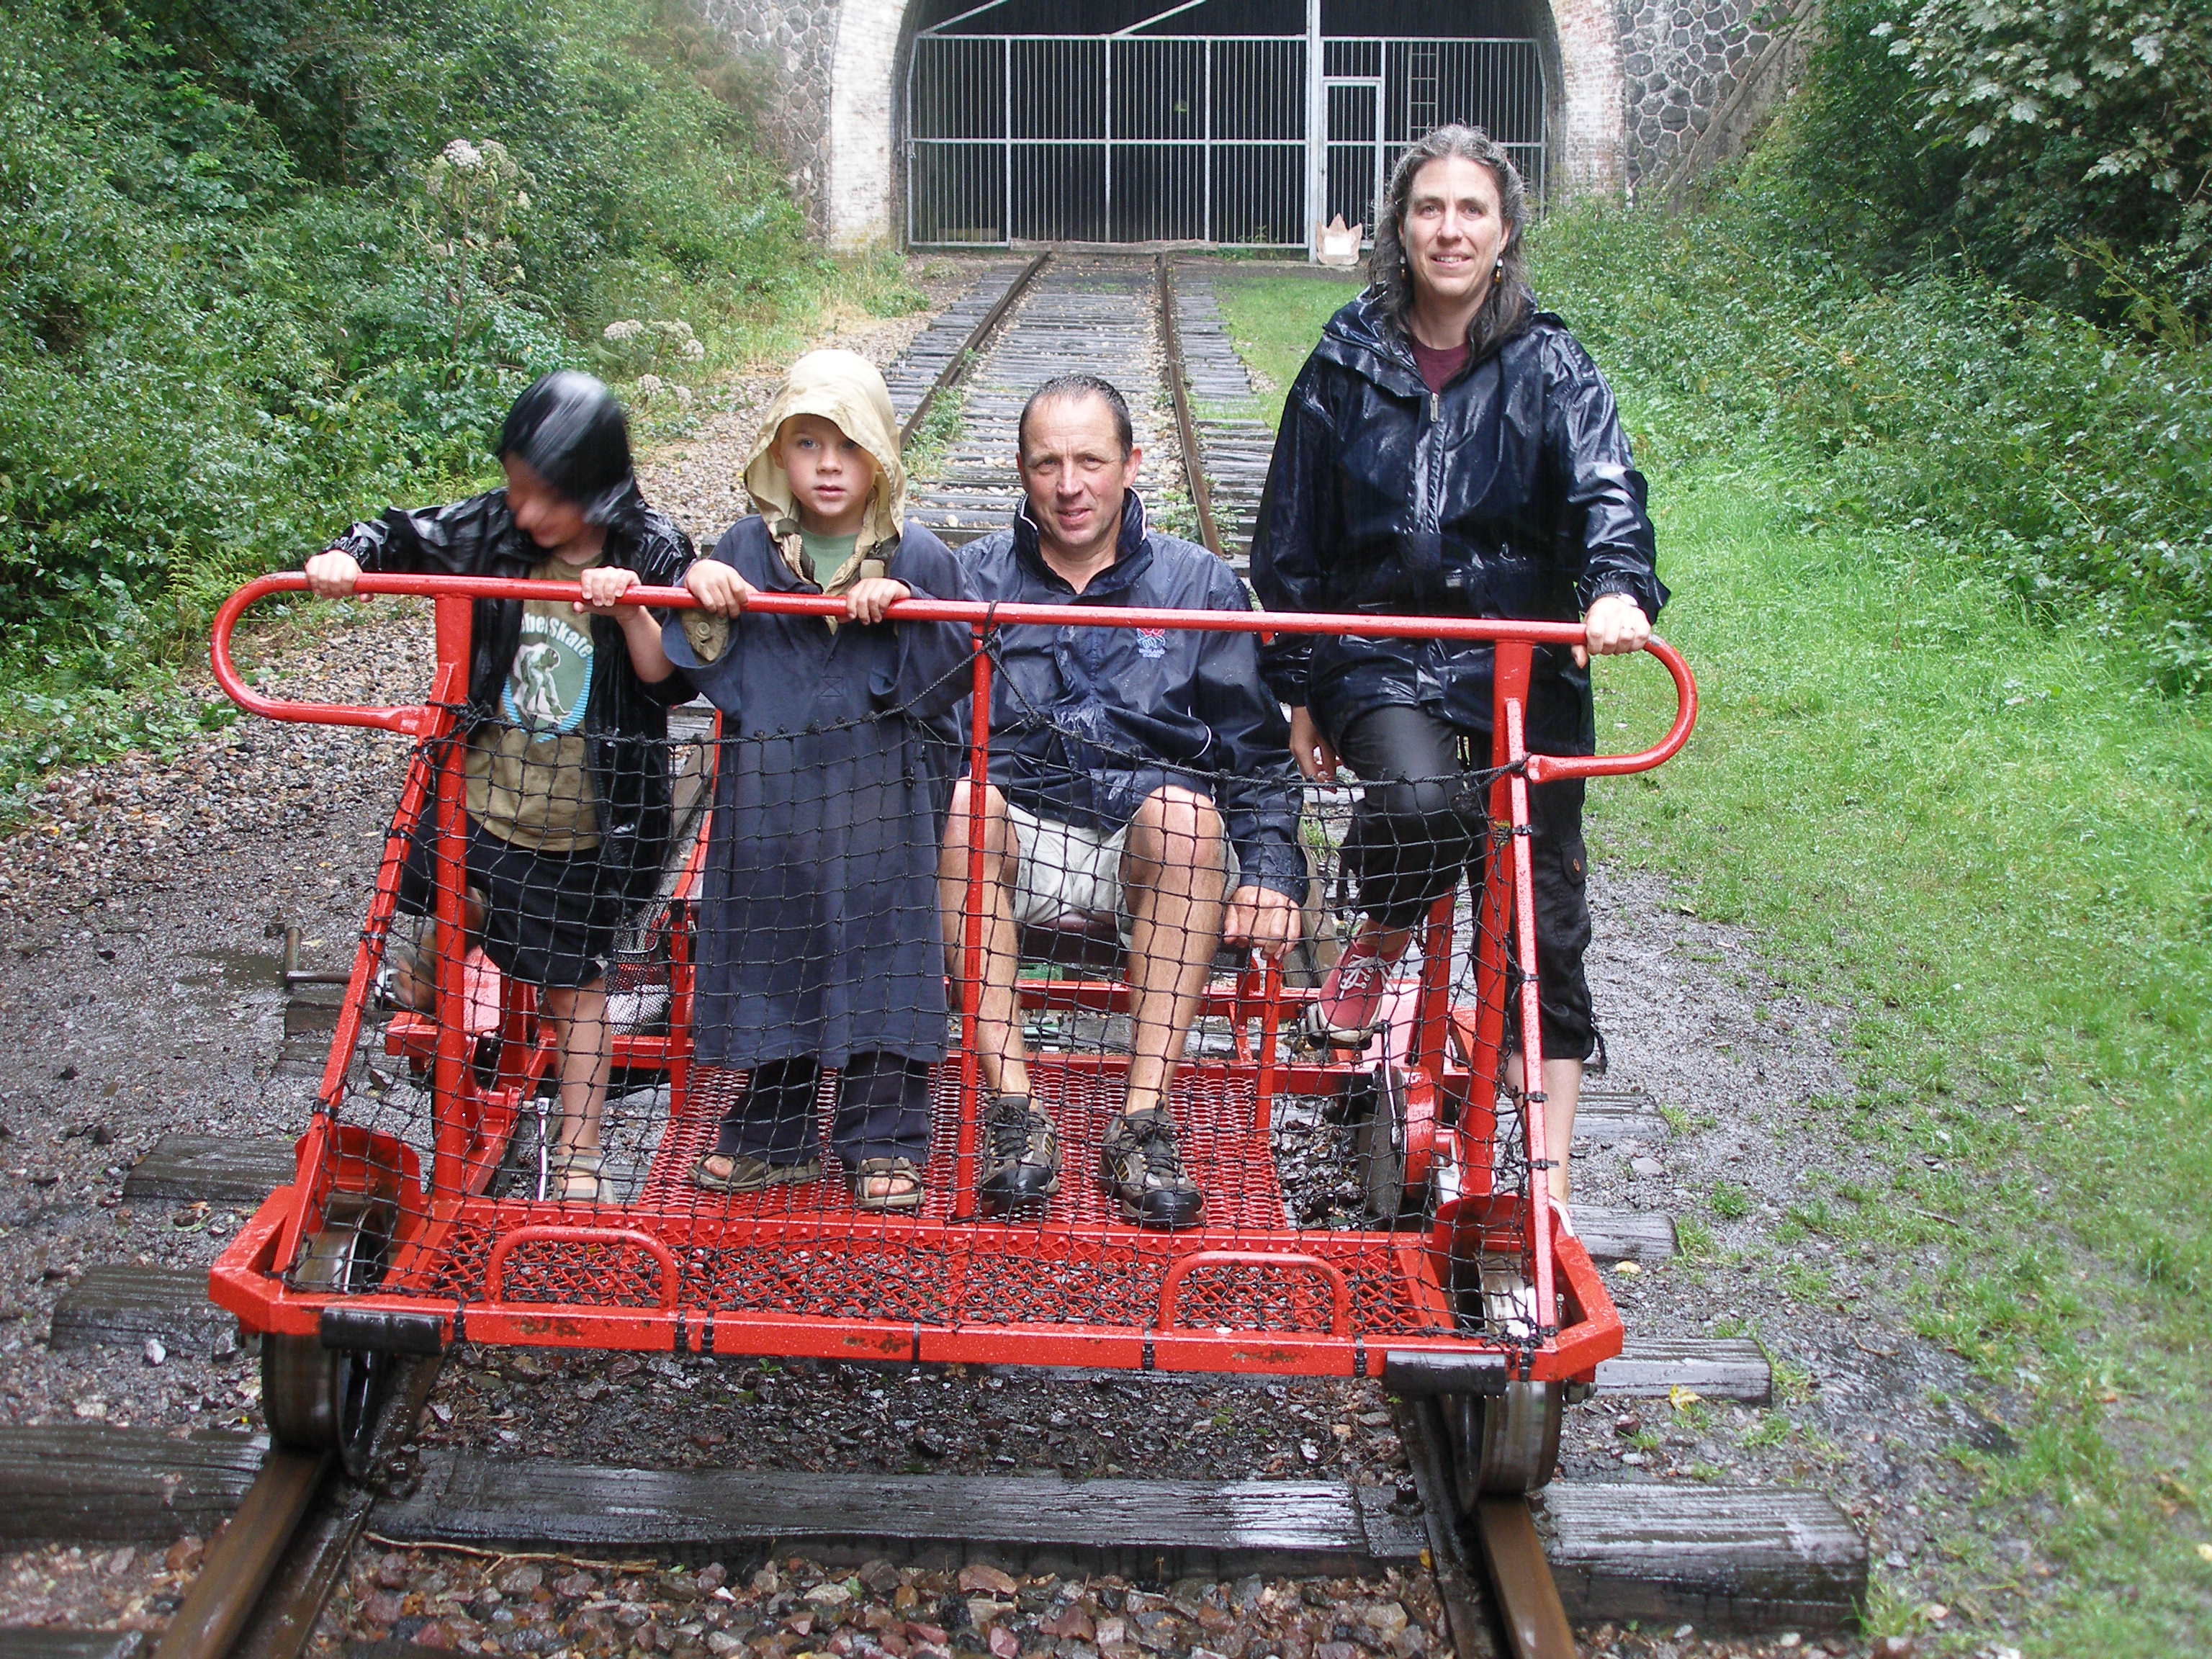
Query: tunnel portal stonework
column 1645, row 92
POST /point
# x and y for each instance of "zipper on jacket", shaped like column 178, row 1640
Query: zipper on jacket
column 1436, row 406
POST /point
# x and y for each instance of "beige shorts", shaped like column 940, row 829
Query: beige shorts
column 1065, row 875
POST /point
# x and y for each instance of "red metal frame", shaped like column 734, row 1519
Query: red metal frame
column 467, row 1260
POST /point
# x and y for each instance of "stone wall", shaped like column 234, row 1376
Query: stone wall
column 1696, row 76
column 789, row 44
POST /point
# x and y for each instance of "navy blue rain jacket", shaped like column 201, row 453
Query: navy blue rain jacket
column 1086, row 722
column 1508, row 495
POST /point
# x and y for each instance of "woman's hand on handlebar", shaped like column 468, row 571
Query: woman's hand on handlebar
column 1613, row 625
column 331, row 573
column 1315, row 759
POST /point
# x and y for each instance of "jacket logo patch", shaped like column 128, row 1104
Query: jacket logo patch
column 1152, row 642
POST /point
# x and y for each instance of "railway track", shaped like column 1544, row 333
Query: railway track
column 1151, row 327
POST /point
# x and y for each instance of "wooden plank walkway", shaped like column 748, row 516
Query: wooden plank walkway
column 1234, row 443
column 49, row 1642
column 121, row 1303
column 1097, row 315
column 1734, row 1558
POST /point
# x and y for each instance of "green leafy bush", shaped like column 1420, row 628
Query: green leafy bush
column 272, row 264
column 2066, row 144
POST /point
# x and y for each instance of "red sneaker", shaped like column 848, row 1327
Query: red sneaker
column 1349, row 1010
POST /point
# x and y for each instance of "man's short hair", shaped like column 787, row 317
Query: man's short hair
column 1079, row 386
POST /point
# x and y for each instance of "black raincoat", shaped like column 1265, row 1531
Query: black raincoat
column 625, row 719
column 1086, row 722
column 1508, row 495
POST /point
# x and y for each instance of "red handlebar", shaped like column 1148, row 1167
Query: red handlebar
column 1542, row 768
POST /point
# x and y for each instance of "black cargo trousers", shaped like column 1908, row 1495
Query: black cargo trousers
column 1422, row 823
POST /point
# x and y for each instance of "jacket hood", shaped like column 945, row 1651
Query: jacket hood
column 844, row 387
column 568, row 429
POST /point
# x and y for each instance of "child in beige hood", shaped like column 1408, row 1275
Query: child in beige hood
column 825, row 476
column 819, row 943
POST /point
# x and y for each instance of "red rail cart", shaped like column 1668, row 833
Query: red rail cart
column 1379, row 1213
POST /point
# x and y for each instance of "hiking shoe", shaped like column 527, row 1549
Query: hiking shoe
column 1143, row 1173
column 1021, row 1153
column 1349, row 1009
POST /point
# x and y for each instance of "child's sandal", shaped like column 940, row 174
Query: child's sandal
column 902, row 1188
column 578, row 1177
column 748, row 1174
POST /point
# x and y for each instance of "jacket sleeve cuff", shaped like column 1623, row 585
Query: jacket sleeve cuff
column 1278, row 868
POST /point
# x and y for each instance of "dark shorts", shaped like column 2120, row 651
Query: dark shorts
column 547, row 920
column 1418, row 829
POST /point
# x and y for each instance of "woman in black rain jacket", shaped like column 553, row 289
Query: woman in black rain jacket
column 1448, row 450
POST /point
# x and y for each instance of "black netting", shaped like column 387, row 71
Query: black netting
column 716, row 990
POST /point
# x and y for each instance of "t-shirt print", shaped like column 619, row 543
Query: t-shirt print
column 550, row 686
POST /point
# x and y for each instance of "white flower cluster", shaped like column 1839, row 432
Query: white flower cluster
column 650, row 387
column 463, row 154
column 674, row 334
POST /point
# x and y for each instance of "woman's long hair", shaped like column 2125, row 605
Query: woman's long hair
column 1505, row 311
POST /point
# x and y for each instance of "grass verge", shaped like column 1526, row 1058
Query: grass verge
column 1983, row 835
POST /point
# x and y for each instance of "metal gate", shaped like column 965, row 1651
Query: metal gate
column 1189, row 138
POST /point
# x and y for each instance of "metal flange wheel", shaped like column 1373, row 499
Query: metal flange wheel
column 1505, row 1443
column 319, row 1398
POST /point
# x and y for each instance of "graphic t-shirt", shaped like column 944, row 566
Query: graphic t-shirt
column 530, row 774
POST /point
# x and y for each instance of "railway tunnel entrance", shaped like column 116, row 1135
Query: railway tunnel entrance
column 1211, row 122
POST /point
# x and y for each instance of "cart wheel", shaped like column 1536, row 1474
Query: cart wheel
column 319, row 1398
column 1507, row 1443
column 1378, row 1141
column 1504, row 1443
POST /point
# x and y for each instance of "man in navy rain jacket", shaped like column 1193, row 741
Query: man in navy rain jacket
column 1137, row 775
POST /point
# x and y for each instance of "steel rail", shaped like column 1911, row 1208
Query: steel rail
column 1521, row 1579
column 1193, row 457
column 243, row 1558
column 1512, row 1609
column 1468, row 1613
column 958, row 364
column 263, row 1584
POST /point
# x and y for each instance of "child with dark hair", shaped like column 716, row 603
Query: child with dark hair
column 567, row 763
column 819, row 942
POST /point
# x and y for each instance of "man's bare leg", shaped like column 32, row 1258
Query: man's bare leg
column 1174, row 883
column 999, row 1033
column 1020, row 1161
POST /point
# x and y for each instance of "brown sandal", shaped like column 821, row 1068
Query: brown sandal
column 577, row 1178
column 905, row 1191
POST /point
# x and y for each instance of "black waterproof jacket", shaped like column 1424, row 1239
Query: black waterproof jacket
column 1508, row 495
column 1086, row 722
column 626, row 720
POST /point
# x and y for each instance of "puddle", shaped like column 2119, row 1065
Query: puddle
column 235, row 970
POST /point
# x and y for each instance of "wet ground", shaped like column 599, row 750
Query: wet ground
column 140, row 999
